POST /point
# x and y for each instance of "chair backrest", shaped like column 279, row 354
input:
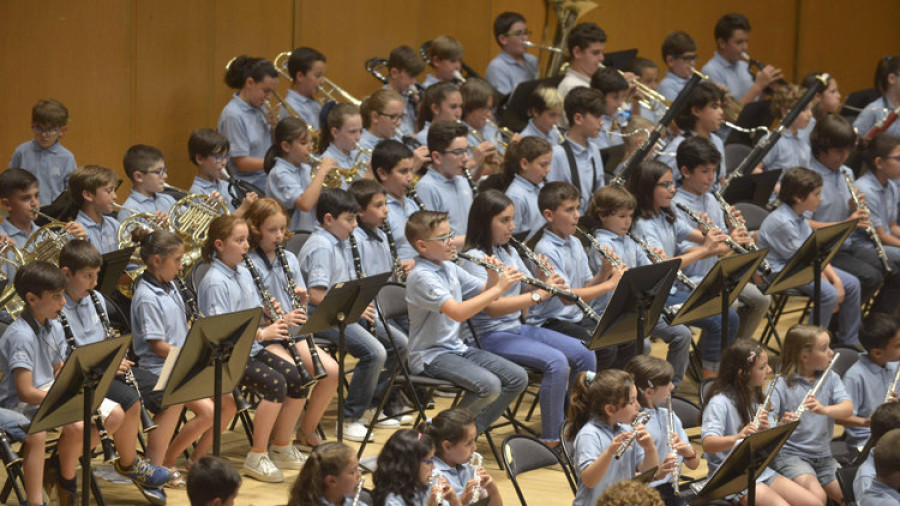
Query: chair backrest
column 705, row 387
column 297, row 241
column 734, row 154
column 391, row 300
column 567, row 449
column 753, row 214
column 687, row 412
column 848, row 357
column 196, row 275
column 845, row 477
column 523, row 453
column 858, row 100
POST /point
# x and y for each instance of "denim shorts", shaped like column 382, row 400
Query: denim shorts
column 792, row 466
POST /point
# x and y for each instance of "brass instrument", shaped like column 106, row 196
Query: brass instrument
column 650, row 96
column 329, row 91
column 731, row 107
column 291, row 342
column 531, row 45
column 673, row 437
column 46, row 242
column 135, row 221
column 11, row 259
column 337, row 176
column 375, row 65
column 640, row 419
column 801, row 409
column 566, row 13
column 192, row 214
column 870, row 230
column 505, row 135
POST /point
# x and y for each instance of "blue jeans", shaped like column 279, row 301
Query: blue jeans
column 12, row 422
column 558, row 357
column 712, row 344
column 678, row 338
column 376, row 362
column 491, row 382
column 849, row 313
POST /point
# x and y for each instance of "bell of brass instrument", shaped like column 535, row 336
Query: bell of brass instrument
column 650, row 96
column 565, row 13
column 11, row 259
column 192, row 214
column 337, row 176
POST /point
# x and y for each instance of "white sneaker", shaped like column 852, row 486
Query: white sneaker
column 286, row 457
column 356, row 431
column 404, row 419
column 259, row 466
column 383, row 423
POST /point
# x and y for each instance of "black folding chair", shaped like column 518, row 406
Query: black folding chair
column 522, row 454
column 845, row 477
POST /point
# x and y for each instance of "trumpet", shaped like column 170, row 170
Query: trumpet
column 329, row 89
column 505, row 135
column 801, row 409
column 531, row 45
column 640, row 419
column 650, row 95
column 759, row 66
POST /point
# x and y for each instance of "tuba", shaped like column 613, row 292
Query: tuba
column 566, row 13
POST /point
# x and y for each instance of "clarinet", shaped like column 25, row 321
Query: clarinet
column 195, row 315
column 676, row 474
column 528, row 253
column 764, row 266
column 686, row 281
column 7, row 454
column 399, row 275
column 801, row 410
column 706, row 226
column 669, row 312
column 106, row 442
column 291, row 341
column 766, row 404
column 541, row 285
column 372, row 327
column 147, row 423
column 870, row 230
column 411, row 193
column 471, row 181
column 641, row 418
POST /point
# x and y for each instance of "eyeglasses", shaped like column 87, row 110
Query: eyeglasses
column 456, row 152
column 392, row 117
column 687, row 57
column 895, row 157
column 668, row 185
column 45, row 131
column 158, row 172
column 429, row 462
column 518, row 33
column 220, row 158
column 446, row 238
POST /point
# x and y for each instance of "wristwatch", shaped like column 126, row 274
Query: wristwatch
column 536, row 297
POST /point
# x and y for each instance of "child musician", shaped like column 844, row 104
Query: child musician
column 306, row 67
column 513, row 65
column 442, row 102
column 887, row 82
column 330, row 477
column 881, row 159
column 339, row 137
column 405, row 474
column 679, row 51
column 208, row 150
column 45, row 157
column 525, row 167
column 886, row 485
column 404, row 66
column 146, row 167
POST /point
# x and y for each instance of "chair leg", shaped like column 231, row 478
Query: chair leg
column 494, row 450
column 95, row 489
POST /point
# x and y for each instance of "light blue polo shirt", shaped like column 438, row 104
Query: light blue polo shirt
column 201, row 186
column 325, row 260
column 286, row 183
column 374, row 252
column 456, row 476
column 811, row 438
column 705, row 203
column 552, row 136
column 671, row 85
column 422, row 135
column 721, row 418
column 783, row 232
column 398, row 212
column 866, row 383
column 150, row 204
column 882, row 202
column 835, row 205
column 628, row 252
column 589, row 164
column 790, row 151
column 428, row 287
column 102, row 235
column 524, row 195
column 248, row 133
column 344, row 161
column 592, row 440
column 33, row 347
column 879, row 494
column 271, row 273
column 226, row 290
column 669, row 157
column 658, row 428
column 158, row 313
column 509, row 322
column 505, row 73
column 84, row 321
column 18, row 236
column 568, row 258
column 451, row 195
column 52, row 167
column 487, row 133
column 308, row 108
column 735, row 76
column 874, row 112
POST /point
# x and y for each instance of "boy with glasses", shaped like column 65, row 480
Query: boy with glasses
column 679, row 51
column 45, row 157
column 208, row 150
column 513, row 65
column 146, row 167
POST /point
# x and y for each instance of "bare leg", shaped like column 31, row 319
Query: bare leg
column 33, row 466
column 322, row 393
column 798, row 494
column 206, row 441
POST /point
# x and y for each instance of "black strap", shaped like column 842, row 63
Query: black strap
column 573, row 167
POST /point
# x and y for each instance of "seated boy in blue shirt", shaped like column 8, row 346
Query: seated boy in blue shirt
column 786, row 228
column 558, row 203
column 325, row 259
column 208, row 150
column 445, row 56
column 392, row 164
column 19, row 196
column 615, row 90
column 885, row 419
column 443, row 187
column 441, row 295
column 404, row 66
column 647, row 73
column 306, row 67
column 679, row 51
column 375, row 250
column 146, row 167
column 545, row 105
column 45, row 157
column 93, row 190
column 32, row 352
column 577, row 160
column 701, row 116
column 867, row 380
column 885, row 487
column 513, row 65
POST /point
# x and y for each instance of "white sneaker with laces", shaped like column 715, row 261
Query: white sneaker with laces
column 355, row 431
column 286, row 457
column 383, row 423
column 259, row 466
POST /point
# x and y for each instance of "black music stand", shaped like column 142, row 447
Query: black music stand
column 719, row 288
column 114, row 263
column 638, row 300
column 77, row 393
column 344, row 302
column 744, row 463
column 647, row 476
column 755, row 188
column 212, row 361
column 807, row 263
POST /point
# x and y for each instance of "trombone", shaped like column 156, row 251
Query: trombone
column 553, row 49
column 329, row 90
column 650, row 96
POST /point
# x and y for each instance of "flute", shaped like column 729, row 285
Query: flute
column 640, row 419
column 476, row 461
column 147, row 422
column 676, row 474
column 801, row 409
column 766, row 404
column 359, row 487
column 655, row 258
column 541, row 285
column 291, row 342
column 893, row 386
column 870, row 230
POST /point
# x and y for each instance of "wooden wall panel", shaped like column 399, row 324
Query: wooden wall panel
column 151, row 72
